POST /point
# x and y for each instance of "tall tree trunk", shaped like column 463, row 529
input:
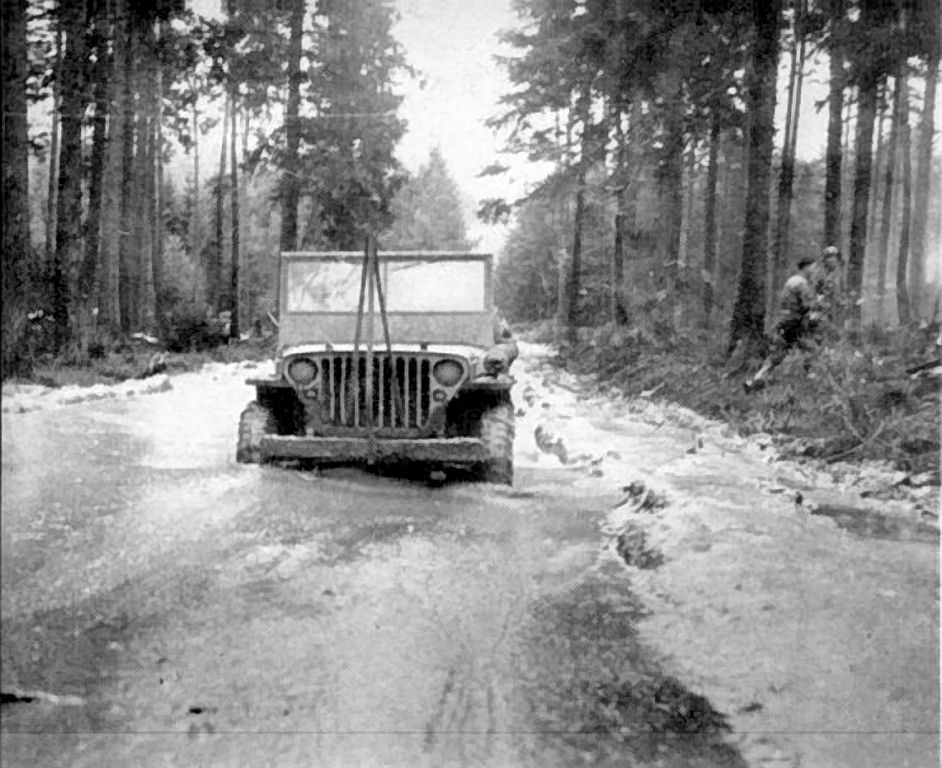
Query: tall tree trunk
column 671, row 199
column 937, row 239
column 886, row 218
column 234, row 192
column 879, row 160
column 902, row 263
column 214, row 277
column 619, row 314
column 561, row 217
column 785, row 175
column 731, row 183
column 786, row 180
column 139, row 232
column 575, row 267
column 196, row 221
column 749, row 311
column 132, row 126
column 157, row 263
column 709, row 219
column 691, row 169
column 109, row 304
column 244, row 205
column 863, row 158
column 578, row 223
column 89, row 274
column 634, row 162
column 69, row 219
column 917, row 269
column 15, row 170
column 145, row 220
column 574, row 280
column 833, row 161
column 692, row 172
column 53, row 180
column 289, row 179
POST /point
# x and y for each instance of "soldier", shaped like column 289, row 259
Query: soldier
column 829, row 287
column 797, row 316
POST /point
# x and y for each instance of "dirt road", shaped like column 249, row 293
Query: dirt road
column 162, row 605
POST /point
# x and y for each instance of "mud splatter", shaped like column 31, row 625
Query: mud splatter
column 632, row 547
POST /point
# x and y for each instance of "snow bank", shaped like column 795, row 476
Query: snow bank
column 23, row 398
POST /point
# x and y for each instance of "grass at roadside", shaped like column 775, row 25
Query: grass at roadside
column 836, row 403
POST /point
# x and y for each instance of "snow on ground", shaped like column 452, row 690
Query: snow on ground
column 564, row 419
column 820, row 644
column 23, row 398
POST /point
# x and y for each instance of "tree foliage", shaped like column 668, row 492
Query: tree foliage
column 673, row 86
column 307, row 89
column 428, row 211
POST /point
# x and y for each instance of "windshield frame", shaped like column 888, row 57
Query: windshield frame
column 387, row 257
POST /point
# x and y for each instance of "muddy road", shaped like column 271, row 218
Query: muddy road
column 625, row 603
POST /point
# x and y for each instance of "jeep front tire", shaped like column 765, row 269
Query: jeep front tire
column 497, row 432
column 256, row 422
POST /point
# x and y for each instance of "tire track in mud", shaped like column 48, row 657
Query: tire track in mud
column 607, row 699
column 610, row 699
column 476, row 716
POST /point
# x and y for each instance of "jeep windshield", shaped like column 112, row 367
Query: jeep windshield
column 409, row 286
column 430, row 297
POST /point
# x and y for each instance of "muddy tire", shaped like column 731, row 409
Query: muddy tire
column 256, row 421
column 497, row 431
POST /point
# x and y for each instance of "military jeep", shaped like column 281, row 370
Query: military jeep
column 424, row 380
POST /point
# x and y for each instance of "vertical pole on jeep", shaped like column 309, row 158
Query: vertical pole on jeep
column 370, row 330
column 396, row 404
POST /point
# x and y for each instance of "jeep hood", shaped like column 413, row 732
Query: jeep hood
column 467, row 351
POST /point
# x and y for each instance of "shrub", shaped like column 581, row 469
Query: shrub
column 187, row 326
column 835, row 402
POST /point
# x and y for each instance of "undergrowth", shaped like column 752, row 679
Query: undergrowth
column 835, row 402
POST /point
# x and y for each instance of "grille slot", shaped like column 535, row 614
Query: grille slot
column 343, row 391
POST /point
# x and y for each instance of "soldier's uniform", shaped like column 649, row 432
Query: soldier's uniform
column 797, row 303
column 829, row 290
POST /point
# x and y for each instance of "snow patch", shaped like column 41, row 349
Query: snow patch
column 23, row 398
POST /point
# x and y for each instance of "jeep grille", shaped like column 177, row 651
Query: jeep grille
column 343, row 391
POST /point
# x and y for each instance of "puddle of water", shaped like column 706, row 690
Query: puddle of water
column 867, row 524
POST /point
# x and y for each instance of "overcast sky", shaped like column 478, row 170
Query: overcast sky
column 453, row 44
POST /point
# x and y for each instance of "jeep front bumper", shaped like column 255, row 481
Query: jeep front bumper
column 452, row 450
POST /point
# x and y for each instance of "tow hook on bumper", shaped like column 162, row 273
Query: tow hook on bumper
column 453, row 450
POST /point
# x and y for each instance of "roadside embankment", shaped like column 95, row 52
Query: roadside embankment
column 803, row 608
column 867, row 417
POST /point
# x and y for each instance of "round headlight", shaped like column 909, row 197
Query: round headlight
column 448, row 372
column 302, row 371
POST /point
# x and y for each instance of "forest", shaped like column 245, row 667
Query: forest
column 672, row 214
column 672, row 191
column 655, row 251
column 103, row 97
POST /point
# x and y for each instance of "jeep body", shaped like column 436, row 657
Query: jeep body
column 438, row 393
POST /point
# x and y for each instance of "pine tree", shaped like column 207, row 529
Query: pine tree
column 349, row 143
column 749, row 311
column 428, row 211
column 15, row 170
